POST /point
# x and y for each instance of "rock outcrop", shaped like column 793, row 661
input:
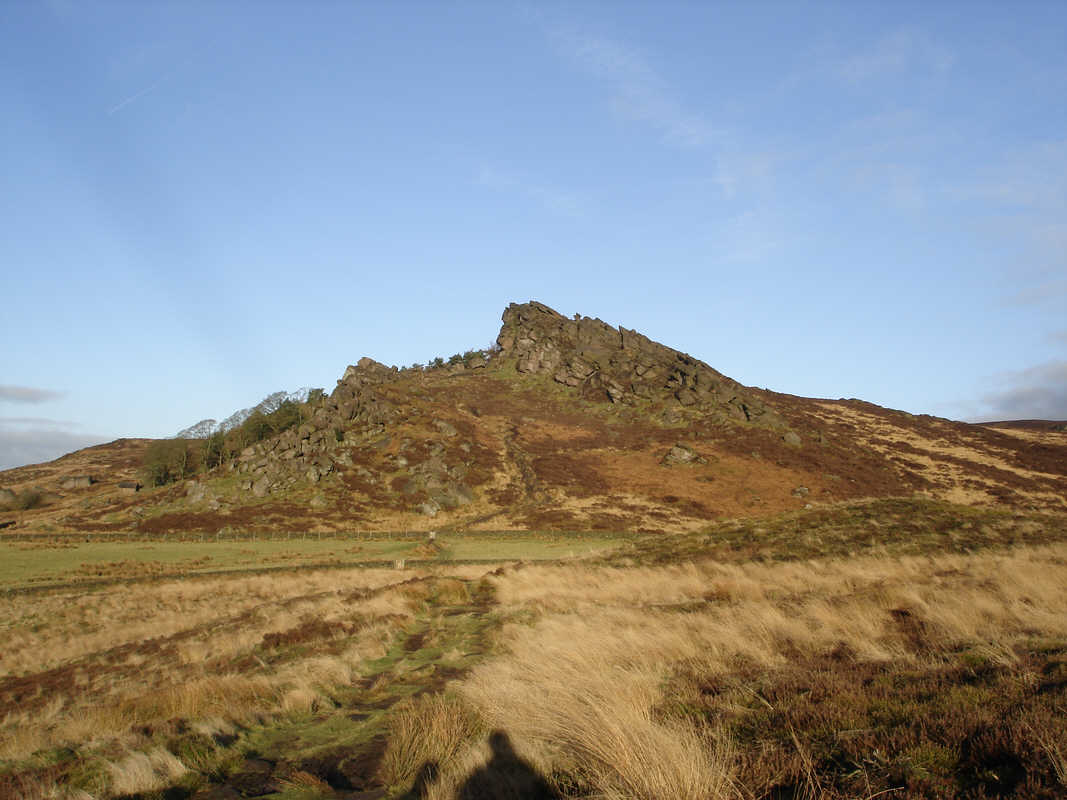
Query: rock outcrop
column 682, row 455
column 353, row 412
column 617, row 365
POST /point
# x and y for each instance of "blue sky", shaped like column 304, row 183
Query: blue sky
column 204, row 203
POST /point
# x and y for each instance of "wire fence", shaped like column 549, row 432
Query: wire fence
column 224, row 535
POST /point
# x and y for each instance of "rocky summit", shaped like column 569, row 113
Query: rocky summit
column 620, row 365
column 567, row 424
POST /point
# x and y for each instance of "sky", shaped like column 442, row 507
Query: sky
column 204, row 203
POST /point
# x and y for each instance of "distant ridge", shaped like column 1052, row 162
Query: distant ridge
column 272, row 402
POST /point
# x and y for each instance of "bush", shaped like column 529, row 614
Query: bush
column 28, row 499
column 168, row 460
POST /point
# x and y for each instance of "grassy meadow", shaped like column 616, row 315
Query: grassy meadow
column 895, row 648
column 71, row 559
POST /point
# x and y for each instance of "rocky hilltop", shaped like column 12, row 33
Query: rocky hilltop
column 620, row 365
column 570, row 423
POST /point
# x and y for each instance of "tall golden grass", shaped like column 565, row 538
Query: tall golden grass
column 581, row 687
column 581, row 691
column 187, row 676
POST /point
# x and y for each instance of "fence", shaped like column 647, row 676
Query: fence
column 224, row 535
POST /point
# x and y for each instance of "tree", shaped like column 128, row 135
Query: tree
column 168, row 460
column 214, row 450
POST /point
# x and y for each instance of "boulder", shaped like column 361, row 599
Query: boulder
column 680, row 455
column 77, row 482
column 198, row 492
column 445, row 428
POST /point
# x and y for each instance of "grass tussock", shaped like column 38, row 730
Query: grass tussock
column 143, row 772
column 429, row 730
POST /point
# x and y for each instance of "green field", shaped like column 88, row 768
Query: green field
column 57, row 561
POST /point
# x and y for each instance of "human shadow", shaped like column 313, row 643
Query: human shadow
column 506, row 776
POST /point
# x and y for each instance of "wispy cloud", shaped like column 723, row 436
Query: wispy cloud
column 639, row 93
column 27, row 394
column 1031, row 178
column 553, row 199
column 1039, row 392
column 43, row 421
column 894, row 53
column 32, row 440
column 748, row 237
column 1051, row 293
column 736, row 172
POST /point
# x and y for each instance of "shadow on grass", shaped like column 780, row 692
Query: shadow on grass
column 506, row 776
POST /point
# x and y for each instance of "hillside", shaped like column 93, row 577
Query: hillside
column 571, row 424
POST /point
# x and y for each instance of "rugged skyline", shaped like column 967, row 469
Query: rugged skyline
column 568, row 423
column 209, row 204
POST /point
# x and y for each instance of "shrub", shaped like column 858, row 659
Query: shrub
column 31, row 498
column 168, row 460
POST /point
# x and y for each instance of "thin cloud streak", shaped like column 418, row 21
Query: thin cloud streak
column 897, row 52
column 45, row 421
column 151, row 87
column 28, row 394
column 1049, row 293
column 640, row 94
column 554, row 200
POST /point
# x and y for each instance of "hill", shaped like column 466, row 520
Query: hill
column 569, row 424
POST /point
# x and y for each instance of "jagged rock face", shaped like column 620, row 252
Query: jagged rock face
column 353, row 412
column 619, row 365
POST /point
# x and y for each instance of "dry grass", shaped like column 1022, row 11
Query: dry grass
column 830, row 677
column 141, row 772
column 432, row 729
column 59, row 628
column 84, row 670
column 590, row 694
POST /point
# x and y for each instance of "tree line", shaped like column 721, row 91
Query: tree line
column 169, row 460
